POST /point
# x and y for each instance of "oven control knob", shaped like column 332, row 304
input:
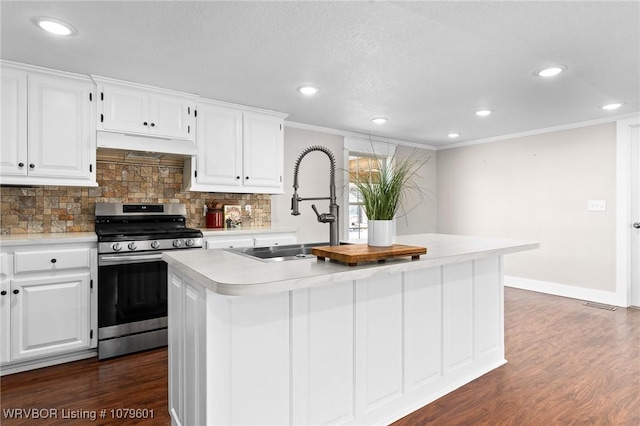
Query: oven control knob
column 116, row 247
column 188, row 242
column 132, row 246
column 155, row 244
column 177, row 243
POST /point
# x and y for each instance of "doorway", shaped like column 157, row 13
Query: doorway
column 635, row 217
column 628, row 211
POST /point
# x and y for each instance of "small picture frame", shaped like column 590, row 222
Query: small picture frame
column 232, row 216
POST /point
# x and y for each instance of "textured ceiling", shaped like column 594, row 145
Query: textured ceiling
column 427, row 66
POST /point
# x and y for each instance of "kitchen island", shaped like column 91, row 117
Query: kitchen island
column 317, row 342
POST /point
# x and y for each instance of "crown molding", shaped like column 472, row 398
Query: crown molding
column 541, row 131
column 359, row 136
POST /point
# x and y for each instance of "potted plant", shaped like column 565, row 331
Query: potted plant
column 384, row 187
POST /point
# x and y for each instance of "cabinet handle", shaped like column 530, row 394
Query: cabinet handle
column 20, row 165
column 16, row 291
column 3, row 293
column 153, row 124
column 54, row 260
column 246, row 177
column 145, row 123
column 32, row 166
column 237, row 177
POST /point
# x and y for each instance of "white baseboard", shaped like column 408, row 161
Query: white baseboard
column 564, row 290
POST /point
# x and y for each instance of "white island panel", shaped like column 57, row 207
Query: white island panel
column 458, row 315
column 379, row 314
column 423, row 305
column 317, row 342
column 323, row 348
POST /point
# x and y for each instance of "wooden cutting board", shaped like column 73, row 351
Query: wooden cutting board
column 351, row 254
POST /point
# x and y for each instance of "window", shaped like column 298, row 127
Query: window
column 360, row 164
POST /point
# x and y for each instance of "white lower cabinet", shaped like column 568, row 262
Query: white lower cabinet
column 48, row 305
column 5, row 315
column 250, row 240
column 49, row 315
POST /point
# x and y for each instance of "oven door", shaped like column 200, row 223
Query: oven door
column 132, row 293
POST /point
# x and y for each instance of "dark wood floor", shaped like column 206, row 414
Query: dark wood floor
column 568, row 365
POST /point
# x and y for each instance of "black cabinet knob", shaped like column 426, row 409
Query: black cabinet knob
column 32, row 166
column 16, row 291
column 3, row 293
column 237, row 177
column 153, row 124
column 20, row 164
column 54, row 260
column 145, row 123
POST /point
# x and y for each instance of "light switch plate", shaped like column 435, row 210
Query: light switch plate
column 597, row 205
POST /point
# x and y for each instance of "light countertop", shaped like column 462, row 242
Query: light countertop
column 209, row 232
column 48, row 238
column 91, row 237
column 232, row 274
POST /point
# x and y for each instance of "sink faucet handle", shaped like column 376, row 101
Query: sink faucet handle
column 313, row 206
column 324, row 217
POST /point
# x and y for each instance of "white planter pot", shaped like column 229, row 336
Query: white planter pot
column 380, row 233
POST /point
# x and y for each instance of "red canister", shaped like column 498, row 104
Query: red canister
column 214, row 218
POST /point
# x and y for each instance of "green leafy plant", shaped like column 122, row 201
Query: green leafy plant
column 386, row 184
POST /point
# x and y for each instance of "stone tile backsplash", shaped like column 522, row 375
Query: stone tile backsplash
column 71, row 209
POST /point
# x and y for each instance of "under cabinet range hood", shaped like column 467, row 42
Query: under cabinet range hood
column 132, row 142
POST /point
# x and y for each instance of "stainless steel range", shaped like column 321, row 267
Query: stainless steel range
column 132, row 278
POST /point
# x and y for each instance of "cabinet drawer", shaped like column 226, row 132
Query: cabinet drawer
column 4, row 265
column 51, row 260
column 275, row 240
column 229, row 243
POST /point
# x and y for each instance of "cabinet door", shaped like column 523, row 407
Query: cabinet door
column 5, row 321
column 49, row 315
column 60, row 138
column 219, row 159
column 171, row 116
column 125, row 110
column 263, row 151
column 13, row 150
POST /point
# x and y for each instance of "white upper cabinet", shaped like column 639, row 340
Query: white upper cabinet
column 47, row 132
column 127, row 110
column 124, row 109
column 13, row 151
column 238, row 151
column 219, row 160
column 263, row 150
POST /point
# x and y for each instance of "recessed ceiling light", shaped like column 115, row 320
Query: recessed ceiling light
column 379, row 120
column 308, row 90
column 610, row 107
column 484, row 112
column 55, row 26
column 551, row 71
column 453, row 135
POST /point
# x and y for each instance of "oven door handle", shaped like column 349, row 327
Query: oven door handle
column 119, row 259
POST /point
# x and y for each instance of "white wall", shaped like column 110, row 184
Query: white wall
column 421, row 213
column 537, row 188
column 313, row 180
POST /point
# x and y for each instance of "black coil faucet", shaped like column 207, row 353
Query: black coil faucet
column 332, row 217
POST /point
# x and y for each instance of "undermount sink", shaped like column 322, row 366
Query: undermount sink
column 279, row 253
